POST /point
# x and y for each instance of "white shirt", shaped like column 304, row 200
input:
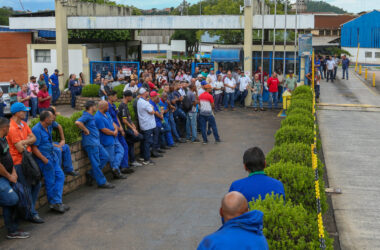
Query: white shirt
column 336, row 60
column 218, row 85
column 132, row 89
column 244, row 81
column 198, row 84
column 330, row 64
column 230, row 82
column 182, row 92
column 201, row 91
column 146, row 120
column 211, row 78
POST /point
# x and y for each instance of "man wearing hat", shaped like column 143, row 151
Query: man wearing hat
column 147, row 123
column 34, row 89
column 55, row 86
column 158, row 131
column 291, row 82
column 20, row 137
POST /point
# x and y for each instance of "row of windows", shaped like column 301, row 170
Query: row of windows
column 368, row 54
column 42, row 56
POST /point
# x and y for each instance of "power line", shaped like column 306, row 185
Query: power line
column 22, row 6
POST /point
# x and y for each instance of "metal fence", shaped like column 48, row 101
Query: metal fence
column 103, row 67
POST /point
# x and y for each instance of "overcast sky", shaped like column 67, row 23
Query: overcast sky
column 34, row 5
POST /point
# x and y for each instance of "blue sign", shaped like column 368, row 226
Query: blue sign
column 305, row 44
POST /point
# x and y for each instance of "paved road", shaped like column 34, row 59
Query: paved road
column 351, row 145
column 169, row 206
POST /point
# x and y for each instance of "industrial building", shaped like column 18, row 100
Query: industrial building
column 363, row 32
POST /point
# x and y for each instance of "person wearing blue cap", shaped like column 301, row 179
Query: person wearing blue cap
column 47, row 160
column 202, row 90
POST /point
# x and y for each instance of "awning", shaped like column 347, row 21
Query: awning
column 225, row 55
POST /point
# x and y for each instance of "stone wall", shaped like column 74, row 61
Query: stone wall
column 64, row 98
column 81, row 101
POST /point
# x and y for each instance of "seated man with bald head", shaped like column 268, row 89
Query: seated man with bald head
column 241, row 229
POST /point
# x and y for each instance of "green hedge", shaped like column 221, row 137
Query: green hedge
column 301, row 103
column 90, row 90
column 119, row 90
column 76, row 115
column 70, row 130
column 301, row 111
column 288, row 226
column 298, row 120
column 303, row 96
column 304, row 89
column 299, row 184
column 294, row 134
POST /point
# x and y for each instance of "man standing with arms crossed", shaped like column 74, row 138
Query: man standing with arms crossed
column 229, row 85
column 91, row 143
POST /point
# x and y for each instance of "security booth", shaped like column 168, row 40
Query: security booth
column 103, row 67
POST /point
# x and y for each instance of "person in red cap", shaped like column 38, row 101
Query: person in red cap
column 206, row 104
column 158, row 131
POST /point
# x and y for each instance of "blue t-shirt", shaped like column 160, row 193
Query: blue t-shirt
column 258, row 185
column 113, row 113
column 105, row 121
column 157, row 109
column 44, row 141
column 54, row 79
column 166, row 107
column 345, row 63
column 89, row 122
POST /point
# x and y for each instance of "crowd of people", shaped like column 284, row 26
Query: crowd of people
column 171, row 106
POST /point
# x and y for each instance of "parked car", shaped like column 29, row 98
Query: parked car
column 5, row 87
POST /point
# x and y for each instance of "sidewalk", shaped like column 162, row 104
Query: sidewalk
column 349, row 118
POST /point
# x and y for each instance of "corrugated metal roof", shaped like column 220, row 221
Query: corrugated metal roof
column 325, row 40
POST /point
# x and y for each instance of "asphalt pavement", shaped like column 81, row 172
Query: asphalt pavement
column 349, row 118
column 172, row 205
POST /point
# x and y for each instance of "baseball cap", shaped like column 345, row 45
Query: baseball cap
column 142, row 91
column 153, row 94
column 203, row 83
column 17, row 107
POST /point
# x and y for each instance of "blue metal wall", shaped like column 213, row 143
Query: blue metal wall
column 364, row 29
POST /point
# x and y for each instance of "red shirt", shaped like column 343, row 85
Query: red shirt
column 273, row 84
column 205, row 100
column 44, row 104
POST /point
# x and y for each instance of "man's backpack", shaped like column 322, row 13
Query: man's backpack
column 187, row 105
column 30, row 168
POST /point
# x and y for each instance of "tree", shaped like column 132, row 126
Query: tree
column 5, row 13
column 83, row 36
column 319, row 6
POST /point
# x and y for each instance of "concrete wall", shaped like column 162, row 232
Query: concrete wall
column 362, row 58
column 13, row 56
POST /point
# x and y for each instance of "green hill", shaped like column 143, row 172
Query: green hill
column 319, row 6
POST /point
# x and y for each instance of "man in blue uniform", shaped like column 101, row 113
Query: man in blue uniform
column 43, row 150
column 241, row 229
column 54, row 78
column 91, row 143
column 108, row 138
column 257, row 183
column 61, row 149
column 124, row 166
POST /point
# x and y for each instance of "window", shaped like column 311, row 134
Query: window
column 377, row 54
column 42, row 56
column 368, row 54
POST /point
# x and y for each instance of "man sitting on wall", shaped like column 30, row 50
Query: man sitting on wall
column 48, row 162
column 241, row 229
column 61, row 149
column 257, row 183
column 91, row 143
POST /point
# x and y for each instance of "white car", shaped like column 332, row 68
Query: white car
column 5, row 87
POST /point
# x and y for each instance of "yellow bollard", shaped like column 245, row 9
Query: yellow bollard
column 360, row 69
column 366, row 74
column 286, row 97
column 373, row 80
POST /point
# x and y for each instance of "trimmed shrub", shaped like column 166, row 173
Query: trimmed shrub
column 303, row 96
column 119, row 90
column 70, row 130
column 76, row 115
column 299, row 184
column 301, row 103
column 132, row 111
column 298, row 120
column 90, row 90
column 288, row 226
column 304, row 89
column 300, row 111
column 294, row 134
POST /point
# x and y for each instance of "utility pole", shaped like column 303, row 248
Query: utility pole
column 295, row 39
column 274, row 36
column 262, row 41
column 285, row 37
